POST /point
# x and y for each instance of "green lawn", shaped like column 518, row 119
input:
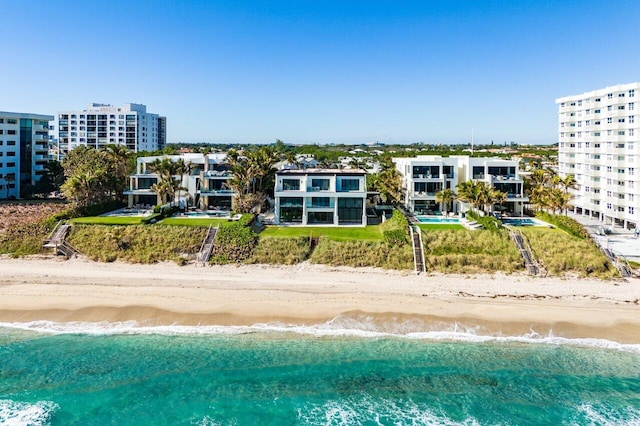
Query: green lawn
column 108, row 220
column 368, row 233
column 437, row 226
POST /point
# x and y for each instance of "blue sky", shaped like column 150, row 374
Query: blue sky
column 321, row 71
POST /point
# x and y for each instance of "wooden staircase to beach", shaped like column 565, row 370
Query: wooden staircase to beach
column 418, row 252
column 530, row 263
column 622, row 266
column 207, row 246
column 57, row 241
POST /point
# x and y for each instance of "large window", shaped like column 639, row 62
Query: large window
column 350, row 210
column 350, row 185
column 319, row 184
column 290, row 184
column 320, row 218
column 320, row 202
column 291, row 209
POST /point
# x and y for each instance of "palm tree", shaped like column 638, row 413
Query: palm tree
column 497, row 197
column 445, row 197
column 182, row 168
column 166, row 169
column 569, row 182
column 118, row 156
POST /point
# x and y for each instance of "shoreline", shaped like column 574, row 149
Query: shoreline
column 36, row 289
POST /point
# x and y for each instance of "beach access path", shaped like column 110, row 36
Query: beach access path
column 42, row 288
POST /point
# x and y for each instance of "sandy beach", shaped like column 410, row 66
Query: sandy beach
column 166, row 294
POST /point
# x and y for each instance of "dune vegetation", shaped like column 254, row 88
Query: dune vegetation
column 465, row 252
column 281, row 250
column 137, row 243
column 562, row 253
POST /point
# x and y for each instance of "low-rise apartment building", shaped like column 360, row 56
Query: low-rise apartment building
column 321, row 197
column 426, row 175
column 599, row 144
column 207, row 181
column 24, row 151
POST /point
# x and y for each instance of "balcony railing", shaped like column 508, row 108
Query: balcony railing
column 217, row 191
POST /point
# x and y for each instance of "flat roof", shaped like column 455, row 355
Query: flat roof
column 321, row 172
column 26, row 115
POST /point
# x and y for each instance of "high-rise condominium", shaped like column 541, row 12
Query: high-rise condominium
column 599, row 143
column 99, row 125
column 24, row 151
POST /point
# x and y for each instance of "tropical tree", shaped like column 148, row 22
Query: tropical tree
column 389, row 184
column 89, row 176
column 445, row 198
column 118, row 156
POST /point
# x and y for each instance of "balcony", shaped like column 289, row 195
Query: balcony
column 218, row 192
column 316, row 189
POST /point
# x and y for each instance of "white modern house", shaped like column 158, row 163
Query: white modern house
column 426, row 175
column 24, row 151
column 206, row 183
column 321, row 197
column 599, row 143
column 101, row 124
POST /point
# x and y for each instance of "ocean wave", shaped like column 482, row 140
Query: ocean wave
column 599, row 414
column 338, row 327
column 363, row 409
column 13, row 413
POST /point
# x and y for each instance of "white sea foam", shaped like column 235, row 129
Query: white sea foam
column 338, row 327
column 14, row 413
column 597, row 414
column 363, row 409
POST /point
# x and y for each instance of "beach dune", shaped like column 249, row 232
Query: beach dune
column 166, row 294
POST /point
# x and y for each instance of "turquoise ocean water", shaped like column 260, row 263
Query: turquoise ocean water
column 124, row 374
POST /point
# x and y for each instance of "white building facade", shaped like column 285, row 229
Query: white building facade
column 207, row 181
column 24, row 151
column 426, row 175
column 599, row 143
column 100, row 125
column 321, row 197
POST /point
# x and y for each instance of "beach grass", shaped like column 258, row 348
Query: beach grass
column 367, row 233
column 281, row 251
column 137, row 243
column 562, row 253
column 465, row 252
column 381, row 254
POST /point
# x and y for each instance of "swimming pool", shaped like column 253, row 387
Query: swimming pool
column 436, row 220
column 523, row 221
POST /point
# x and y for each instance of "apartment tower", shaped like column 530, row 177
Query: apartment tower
column 24, row 151
column 598, row 143
column 100, row 124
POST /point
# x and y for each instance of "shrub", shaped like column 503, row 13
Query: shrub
column 565, row 223
column 233, row 244
column 489, row 222
column 395, row 230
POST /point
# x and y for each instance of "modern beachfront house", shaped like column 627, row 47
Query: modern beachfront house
column 321, row 197
column 426, row 175
column 207, row 181
column 423, row 177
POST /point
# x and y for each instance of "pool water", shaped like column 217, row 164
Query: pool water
column 438, row 219
column 523, row 222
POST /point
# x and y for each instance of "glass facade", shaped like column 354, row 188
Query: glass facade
column 350, row 210
column 26, row 155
